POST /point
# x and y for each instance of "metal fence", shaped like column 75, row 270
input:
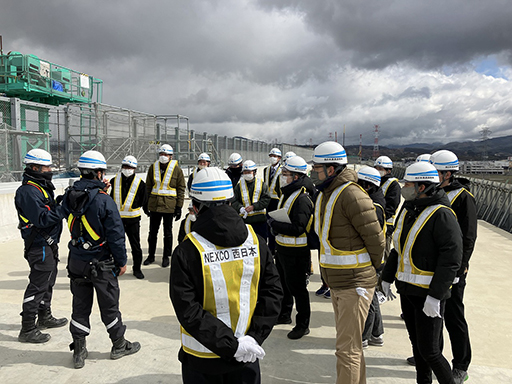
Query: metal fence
column 72, row 129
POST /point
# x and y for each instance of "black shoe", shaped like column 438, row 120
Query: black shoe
column 138, row 274
column 411, row 361
column 284, row 320
column 297, row 333
column 122, row 347
column 80, row 352
column 30, row 334
column 149, row 260
column 165, row 262
column 45, row 320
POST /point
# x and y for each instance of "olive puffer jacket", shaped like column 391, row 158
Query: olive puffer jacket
column 354, row 226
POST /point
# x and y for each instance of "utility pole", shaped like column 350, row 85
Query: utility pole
column 376, row 142
column 360, row 148
column 343, row 135
column 485, row 132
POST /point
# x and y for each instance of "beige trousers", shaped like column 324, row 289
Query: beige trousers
column 350, row 311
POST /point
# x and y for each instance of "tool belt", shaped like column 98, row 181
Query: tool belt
column 47, row 238
column 96, row 266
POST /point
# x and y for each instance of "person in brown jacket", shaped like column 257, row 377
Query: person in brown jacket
column 351, row 247
column 165, row 186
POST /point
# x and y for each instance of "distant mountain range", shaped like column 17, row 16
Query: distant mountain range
column 497, row 149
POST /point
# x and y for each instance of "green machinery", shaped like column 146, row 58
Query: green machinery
column 34, row 79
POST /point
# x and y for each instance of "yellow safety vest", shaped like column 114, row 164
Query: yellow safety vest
column 125, row 209
column 230, row 278
column 452, row 195
column 331, row 257
column 407, row 271
column 246, row 198
column 385, row 187
column 188, row 225
column 292, row 241
column 272, row 183
column 162, row 188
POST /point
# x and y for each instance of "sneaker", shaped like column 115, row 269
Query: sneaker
column 297, row 333
column 284, row 320
column 138, row 274
column 376, row 341
column 365, row 344
column 459, row 376
column 327, row 294
column 411, row 361
column 320, row 292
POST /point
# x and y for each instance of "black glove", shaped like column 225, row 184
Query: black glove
column 145, row 209
column 177, row 213
column 270, row 221
column 59, row 199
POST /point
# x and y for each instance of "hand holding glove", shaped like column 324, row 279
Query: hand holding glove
column 248, row 350
column 243, row 212
column 386, row 289
column 177, row 213
column 432, row 307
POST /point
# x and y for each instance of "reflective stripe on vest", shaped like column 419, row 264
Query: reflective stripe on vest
column 385, row 187
column 246, row 198
column 126, row 210
column 272, row 183
column 331, row 257
column 163, row 188
column 230, row 279
column 188, row 225
column 407, row 271
column 291, row 241
column 452, row 195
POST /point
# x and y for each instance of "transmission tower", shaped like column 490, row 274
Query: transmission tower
column 330, row 136
column 376, row 142
column 485, row 132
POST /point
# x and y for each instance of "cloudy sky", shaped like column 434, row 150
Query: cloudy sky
column 288, row 70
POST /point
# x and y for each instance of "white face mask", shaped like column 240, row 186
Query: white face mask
column 273, row 160
column 283, row 182
column 248, row 176
column 127, row 172
column 201, row 167
column 163, row 159
column 382, row 173
column 408, row 193
column 192, row 217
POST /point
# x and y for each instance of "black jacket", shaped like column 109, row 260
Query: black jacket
column 140, row 198
column 438, row 248
column 392, row 196
column 43, row 213
column 234, row 175
column 378, row 198
column 86, row 197
column 222, row 226
column 300, row 215
column 464, row 207
column 261, row 204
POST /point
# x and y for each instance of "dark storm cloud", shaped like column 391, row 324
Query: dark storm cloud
column 426, row 34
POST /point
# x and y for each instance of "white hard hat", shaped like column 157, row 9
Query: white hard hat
column 287, row 155
column 369, row 174
column 296, row 164
column 249, row 165
column 38, row 156
column 92, row 160
column 384, row 162
column 204, row 156
column 275, row 151
column 235, row 159
column 425, row 157
column 166, row 148
column 445, row 160
column 330, row 152
column 211, row 185
column 421, row 171
column 130, row 161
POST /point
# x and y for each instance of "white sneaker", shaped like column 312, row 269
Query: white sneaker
column 376, row 341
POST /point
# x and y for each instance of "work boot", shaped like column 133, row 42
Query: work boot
column 297, row 333
column 30, row 334
column 79, row 352
column 149, row 260
column 165, row 262
column 122, row 347
column 138, row 274
column 45, row 320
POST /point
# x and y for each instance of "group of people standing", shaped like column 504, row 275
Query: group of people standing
column 244, row 254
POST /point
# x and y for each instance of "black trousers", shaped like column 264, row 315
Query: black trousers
column 272, row 206
column 43, row 272
column 425, row 334
column 458, row 327
column 260, row 229
column 132, row 230
column 154, row 225
column 83, row 285
column 248, row 374
column 292, row 271
column 373, row 325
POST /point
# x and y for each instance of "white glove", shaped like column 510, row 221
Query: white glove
column 386, row 288
column 432, row 307
column 248, row 350
column 362, row 292
column 243, row 212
